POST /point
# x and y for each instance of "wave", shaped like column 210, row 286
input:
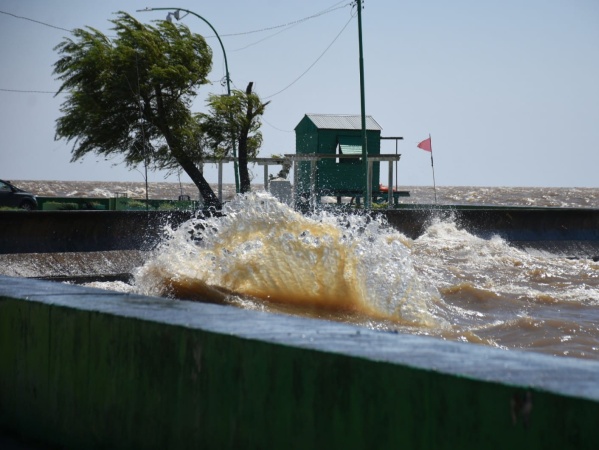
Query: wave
column 262, row 249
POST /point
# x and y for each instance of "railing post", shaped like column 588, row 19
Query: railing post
column 313, row 168
column 390, row 196
column 220, row 181
column 266, row 187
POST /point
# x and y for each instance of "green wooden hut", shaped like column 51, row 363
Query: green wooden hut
column 331, row 136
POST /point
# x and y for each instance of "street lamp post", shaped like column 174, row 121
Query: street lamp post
column 177, row 16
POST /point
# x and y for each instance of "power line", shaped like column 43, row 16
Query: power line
column 276, row 128
column 36, row 21
column 266, row 38
column 314, row 63
column 313, row 16
column 22, row 91
column 289, row 24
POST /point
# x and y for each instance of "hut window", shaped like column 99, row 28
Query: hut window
column 348, row 145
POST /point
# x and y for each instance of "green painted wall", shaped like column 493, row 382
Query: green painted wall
column 114, row 371
column 333, row 176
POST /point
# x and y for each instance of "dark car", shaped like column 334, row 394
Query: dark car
column 14, row 197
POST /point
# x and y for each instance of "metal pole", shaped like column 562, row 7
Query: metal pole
column 226, row 70
column 266, row 178
column 396, row 165
column 220, row 181
column 295, row 178
column 363, row 109
column 390, row 191
column 146, row 177
column 433, row 168
column 313, row 166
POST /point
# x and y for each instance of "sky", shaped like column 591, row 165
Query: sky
column 507, row 90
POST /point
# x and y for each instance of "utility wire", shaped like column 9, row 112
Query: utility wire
column 314, row 63
column 290, row 25
column 295, row 22
column 267, row 37
column 313, row 16
column 21, row 91
column 36, row 21
column 276, row 128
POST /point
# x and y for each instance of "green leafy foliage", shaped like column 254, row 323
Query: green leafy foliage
column 224, row 122
column 234, row 120
column 131, row 95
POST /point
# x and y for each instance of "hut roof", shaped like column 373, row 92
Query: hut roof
column 342, row 122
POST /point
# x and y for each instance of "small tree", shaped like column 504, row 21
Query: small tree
column 235, row 119
column 132, row 95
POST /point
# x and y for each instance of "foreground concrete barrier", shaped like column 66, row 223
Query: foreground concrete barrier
column 87, row 369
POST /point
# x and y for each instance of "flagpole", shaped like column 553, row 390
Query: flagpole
column 433, row 167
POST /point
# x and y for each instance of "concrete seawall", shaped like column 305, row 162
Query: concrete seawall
column 512, row 224
column 568, row 232
column 83, row 231
column 574, row 232
column 87, row 369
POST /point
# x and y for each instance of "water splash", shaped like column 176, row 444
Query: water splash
column 263, row 250
column 451, row 257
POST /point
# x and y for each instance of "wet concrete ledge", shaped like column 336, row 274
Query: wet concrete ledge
column 82, row 368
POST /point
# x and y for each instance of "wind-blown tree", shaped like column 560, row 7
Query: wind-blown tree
column 234, row 119
column 131, row 95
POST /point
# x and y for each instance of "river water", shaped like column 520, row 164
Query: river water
column 447, row 283
column 504, row 196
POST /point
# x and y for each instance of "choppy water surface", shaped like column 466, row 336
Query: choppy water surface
column 447, row 283
column 446, row 195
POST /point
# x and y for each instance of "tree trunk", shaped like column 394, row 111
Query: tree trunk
column 210, row 200
column 244, row 174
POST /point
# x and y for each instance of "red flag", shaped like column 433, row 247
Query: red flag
column 426, row 145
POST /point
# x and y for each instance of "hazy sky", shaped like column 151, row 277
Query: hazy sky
column 508, row 90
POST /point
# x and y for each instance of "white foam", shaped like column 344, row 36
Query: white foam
column 264, row 249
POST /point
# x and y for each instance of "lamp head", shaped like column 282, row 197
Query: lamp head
column 176, row 15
